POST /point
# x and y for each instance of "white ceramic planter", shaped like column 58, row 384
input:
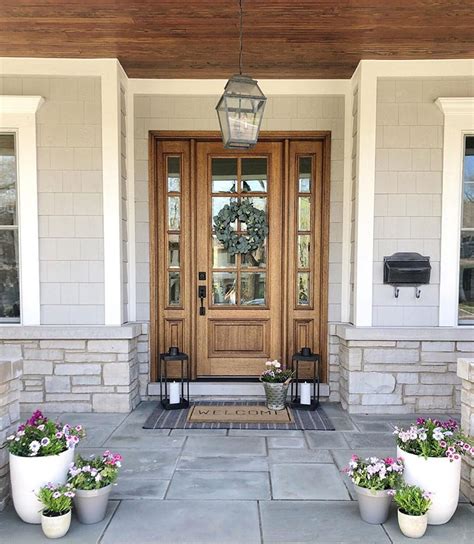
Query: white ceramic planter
column 56, row 527
column 412, row 526
column 28, row 474
column 439, row 476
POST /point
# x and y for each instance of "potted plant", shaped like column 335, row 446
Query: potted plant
column 373, row 478
column 40, row 451
column 276, row 382
column 413, row 504
column 92, row 480
column 431, row 451
column 56, row 512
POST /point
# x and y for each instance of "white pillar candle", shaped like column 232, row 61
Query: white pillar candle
column 305, row 397
column 174, row 393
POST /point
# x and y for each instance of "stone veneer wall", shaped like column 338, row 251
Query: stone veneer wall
column 10, row 374
column 77, row 369
column 401, row 370
column 465, row 371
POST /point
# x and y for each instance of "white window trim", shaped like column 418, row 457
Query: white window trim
column 18, row 115
column 458, row 121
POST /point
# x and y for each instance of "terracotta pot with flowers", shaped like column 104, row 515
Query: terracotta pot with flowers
column 57, row 506
column 92, row 480
column 374, row 479
column 413, row 506
column 431, row 451
column 276, row 382
column 40, row 451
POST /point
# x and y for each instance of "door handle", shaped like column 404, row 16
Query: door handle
column 202, row 293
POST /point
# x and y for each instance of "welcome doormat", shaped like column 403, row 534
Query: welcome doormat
column 238, row 414
column 303, row 420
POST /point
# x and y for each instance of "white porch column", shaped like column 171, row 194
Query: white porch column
column 364, row 198
column 111, row 165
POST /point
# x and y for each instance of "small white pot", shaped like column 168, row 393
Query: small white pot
column 57, row 526
column 28, row 474
column 412, row 526
column 438, row 475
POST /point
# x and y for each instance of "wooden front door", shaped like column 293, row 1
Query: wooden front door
column 232, row 312
column 241, row 328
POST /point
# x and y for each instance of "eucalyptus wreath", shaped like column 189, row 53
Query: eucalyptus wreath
column 246, row 212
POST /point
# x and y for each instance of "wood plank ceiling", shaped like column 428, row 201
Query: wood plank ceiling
column 200, row 38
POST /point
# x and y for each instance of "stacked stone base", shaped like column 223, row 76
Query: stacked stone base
column 76, row 369
column 10, row 375
column 466, row 374
column 401, row 370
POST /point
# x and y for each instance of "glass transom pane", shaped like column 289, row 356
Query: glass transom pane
column 8, row 194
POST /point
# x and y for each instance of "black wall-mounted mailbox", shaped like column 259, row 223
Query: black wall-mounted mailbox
column 406, row 269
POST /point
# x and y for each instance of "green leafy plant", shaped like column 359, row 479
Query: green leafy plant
column 95, row 472
column 412, row 500
column 275, row 374
column 256, row 227
column 56, row 499
column 40, row 437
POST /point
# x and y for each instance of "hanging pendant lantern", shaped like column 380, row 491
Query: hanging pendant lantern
column 240, row 109
column 240, row 112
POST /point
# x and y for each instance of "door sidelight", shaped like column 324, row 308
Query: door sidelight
column 202, row 293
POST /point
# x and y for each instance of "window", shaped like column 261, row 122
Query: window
column 466, row 264
column 9, row 281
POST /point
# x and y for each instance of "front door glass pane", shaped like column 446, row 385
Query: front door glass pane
column 221, row 258
column 304, row 175
column 173, row 250
column 304, row 213
column 174, row 175
column 303, row 250
column 224, row 175
column 303, row 289
column 254, row 175
column 224, row 288
column 252, row 288
column 174, row 214
column 174, row 289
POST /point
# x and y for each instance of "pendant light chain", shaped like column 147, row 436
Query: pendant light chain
column 240, row 38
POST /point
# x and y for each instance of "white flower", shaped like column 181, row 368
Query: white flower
column 11, row 437
column 269, row 363
column 276, row 364
column 35, row 446
column 422, row 436
column 41, row 427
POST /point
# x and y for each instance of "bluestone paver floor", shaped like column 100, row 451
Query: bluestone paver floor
column 237, row 486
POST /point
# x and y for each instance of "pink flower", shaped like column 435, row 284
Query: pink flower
column 389, row 460
column 442, row 443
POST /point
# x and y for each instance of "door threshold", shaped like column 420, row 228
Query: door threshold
column 225, row 388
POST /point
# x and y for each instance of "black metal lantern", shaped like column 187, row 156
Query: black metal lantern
column 240, row 112
column 182, row 387
column 240, row 108
column 312, row 400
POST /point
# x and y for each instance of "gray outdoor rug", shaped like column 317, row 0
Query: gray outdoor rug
column 303, row 420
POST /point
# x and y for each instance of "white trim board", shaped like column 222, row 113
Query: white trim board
column 18, row 114
column 458, row 120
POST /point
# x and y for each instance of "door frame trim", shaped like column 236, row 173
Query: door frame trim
column 324, row 136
